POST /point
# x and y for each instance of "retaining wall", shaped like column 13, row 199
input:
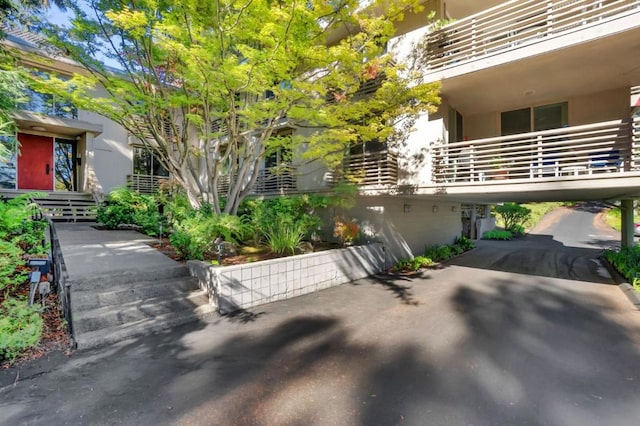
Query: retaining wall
column 237, row 287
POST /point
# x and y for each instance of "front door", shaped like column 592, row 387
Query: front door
column 35, row 162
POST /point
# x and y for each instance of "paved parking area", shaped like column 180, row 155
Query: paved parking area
column 518, row 333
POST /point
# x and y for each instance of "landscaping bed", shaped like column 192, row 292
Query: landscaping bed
column 26, row 332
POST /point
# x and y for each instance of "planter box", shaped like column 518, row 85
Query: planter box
column 237, row 287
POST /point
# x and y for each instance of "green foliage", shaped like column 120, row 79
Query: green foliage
column 497, row 234
column 435, row 254
column 412, row 265
column 513, row 216
column 126, row 207
column 19, row 235
column 284, row 235
column 20, row 328
column 195, row 236
column 465, row 243
column 627, row 261
column 538, row 211
column 298, row 211
column 225, row 57
column 11, row 258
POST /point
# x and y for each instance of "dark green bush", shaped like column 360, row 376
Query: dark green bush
column 20, row 328
column 126, row 207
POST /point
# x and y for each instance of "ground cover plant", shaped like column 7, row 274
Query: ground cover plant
column 25, row 331
column 627, row 261
column 497, row 234
column 434, row 254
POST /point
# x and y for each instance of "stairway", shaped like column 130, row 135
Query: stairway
column 68, row 206
column 110, row 308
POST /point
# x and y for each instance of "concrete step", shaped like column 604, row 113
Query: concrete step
column 84, row 300
column 137, row 310
column 133, row 277
column 107, row 336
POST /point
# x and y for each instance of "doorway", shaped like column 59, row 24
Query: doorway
column 35, row 162
column 65, row 165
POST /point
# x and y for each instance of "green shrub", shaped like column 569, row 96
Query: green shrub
column 20, row 328
column 514, row 216
column 11, row 259
column 126, row 207
column 195, row 236
column 284, row 236
column 465, row 243
column 497, row 234
column 412, row 265
column 627, row 261
column 300, row 211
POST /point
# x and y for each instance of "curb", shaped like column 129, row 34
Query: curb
column 627, row 289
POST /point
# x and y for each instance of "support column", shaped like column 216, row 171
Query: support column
column 472, row 225
column 628, row 227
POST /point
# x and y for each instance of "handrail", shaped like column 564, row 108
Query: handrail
column 513, row 23
column 376, row 168
column 586, row 149
column 60, row 278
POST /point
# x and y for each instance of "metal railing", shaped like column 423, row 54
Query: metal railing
column 517, row 23
column 60, row 277
column 145, row 184
column 268, row 182
column 587, row 149
column 378, row 168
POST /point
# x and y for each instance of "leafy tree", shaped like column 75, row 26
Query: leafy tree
column 207, row 84
column 514, row 216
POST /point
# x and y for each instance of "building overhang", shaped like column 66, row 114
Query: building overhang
column 38, row 123
column 597, row 187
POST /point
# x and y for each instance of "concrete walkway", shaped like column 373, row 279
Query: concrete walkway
column 88, row 251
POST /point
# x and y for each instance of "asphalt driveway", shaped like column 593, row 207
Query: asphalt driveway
column 525, row 332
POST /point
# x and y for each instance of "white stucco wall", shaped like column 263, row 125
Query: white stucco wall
column 404, row 225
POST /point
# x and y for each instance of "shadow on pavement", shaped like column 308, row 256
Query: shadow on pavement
column 537, row 255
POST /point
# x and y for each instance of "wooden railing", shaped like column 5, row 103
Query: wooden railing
column 268, row 182
column 517, row 23
column 635, row 143
column 145, row 184
column 594, row 148
column 369, row 169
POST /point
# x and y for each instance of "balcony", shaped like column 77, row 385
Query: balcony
column 595, row 150
column 520, row 23
column 370, row 169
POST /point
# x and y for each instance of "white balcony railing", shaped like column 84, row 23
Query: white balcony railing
column 378, row 168
column 606, row 147
column 268, row 182
column 517, row 23
column 145, row 184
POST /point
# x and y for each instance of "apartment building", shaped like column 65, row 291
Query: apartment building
column 538, row 105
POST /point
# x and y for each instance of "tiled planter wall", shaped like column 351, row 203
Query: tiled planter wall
column 242, row 286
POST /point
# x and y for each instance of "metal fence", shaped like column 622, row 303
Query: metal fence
column 60, row 283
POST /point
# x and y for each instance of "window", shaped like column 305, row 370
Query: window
column 8, row 161
column 48, row 104
column 146, row 163
column 455, row 126
column 544, row 117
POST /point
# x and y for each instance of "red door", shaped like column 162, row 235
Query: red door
column 35, row 162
